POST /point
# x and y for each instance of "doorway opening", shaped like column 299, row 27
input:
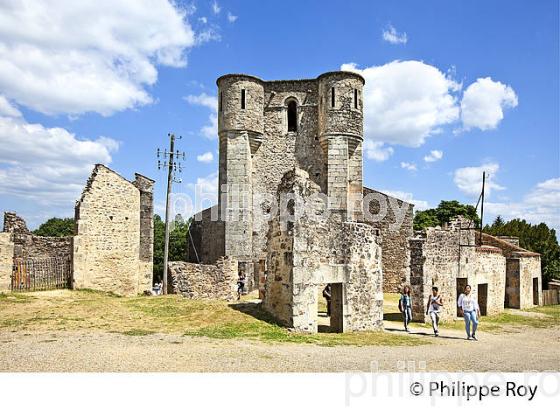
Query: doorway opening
column 535, row 291
column 483, row 298
column 330, row 308
column 461, row 283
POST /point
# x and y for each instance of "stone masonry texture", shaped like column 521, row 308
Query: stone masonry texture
column 499, row 273
column 314, row 250
column 110, row 252
column 257, row 148
column 200, row 281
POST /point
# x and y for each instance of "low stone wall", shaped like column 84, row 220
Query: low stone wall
column 6, row 260
column 198, row 281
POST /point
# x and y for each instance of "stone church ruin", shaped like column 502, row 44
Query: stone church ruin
column 293, row 215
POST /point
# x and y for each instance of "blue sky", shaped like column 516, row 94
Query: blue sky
column 452, row 88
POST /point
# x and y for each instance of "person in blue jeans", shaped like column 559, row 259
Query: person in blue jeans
column 405, row 306
column 468, row 307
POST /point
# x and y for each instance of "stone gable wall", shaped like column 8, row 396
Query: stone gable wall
column 6, row 260
column 107, row 253
column 200, row 281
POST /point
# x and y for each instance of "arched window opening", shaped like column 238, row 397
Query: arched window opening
column 292, row 116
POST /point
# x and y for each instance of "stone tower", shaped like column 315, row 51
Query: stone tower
column 341, row 136
column 320, row 123
column 240, row 131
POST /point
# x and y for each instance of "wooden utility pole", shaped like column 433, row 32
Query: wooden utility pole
column 482, row 204
column 171, row 162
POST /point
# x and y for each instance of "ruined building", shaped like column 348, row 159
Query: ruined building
column 276, row 137
column 500, row 273
column 111, row 250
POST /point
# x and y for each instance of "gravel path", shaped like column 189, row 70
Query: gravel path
column 521, row 349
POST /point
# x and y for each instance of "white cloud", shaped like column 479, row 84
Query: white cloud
column 231, row 18
column 47, row 165
column 216, row 8
column 7, row 109
column 203, row 20
column 88, row 56
column 411, row 166
column 377, row 150
column 469, row 179
column 206, row 35
column 433, row 156
column 209, row 131
column 484, row 102
column 206, row 157
column 406, row 102
column 392, row 36
column 541, row 204
column 419, row 205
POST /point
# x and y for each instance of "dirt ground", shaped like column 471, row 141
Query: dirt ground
column 112, row 352
column 32, row 345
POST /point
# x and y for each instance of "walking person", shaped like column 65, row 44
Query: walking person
column 405, row 306
column 434, row 308
column 240, row 284
column 468, row 307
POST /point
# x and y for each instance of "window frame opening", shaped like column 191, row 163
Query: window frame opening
column 292, row 115
column 333, row 98
column 243, row 99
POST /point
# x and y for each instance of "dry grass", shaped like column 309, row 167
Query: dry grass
column 65, row 310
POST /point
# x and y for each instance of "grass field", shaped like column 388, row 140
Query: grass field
column 65, row 310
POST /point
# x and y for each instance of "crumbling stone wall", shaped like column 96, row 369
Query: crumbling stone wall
column 394, row 220
column 27, row 245
column 6, row 260
column 201, row 281
column 109, row 253
column 312, row 249
column 206, row 242
column 443, row 256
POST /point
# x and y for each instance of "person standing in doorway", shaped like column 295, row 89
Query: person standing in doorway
column 468, row 307
column 240, row 284
column 434, row 308
column 405, row 306
column 327, row 294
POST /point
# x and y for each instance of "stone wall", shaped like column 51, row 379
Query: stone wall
column 207, row 235
column 530, row 275
column 395, row 229
column 453, row 257
column 27, row 245
column 108, row 253
column 489, row 272
column 311, row 250
column 201, row 281
column 6, row 260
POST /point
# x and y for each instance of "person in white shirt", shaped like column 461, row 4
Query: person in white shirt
column 468, row 307
column 434, row 308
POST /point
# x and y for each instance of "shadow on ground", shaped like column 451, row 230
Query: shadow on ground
column 426, row 334
column 255, row 310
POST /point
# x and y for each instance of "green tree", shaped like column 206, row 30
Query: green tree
column 536, row 238
column 56, row 227
column 445, row 211
column 177, row 242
